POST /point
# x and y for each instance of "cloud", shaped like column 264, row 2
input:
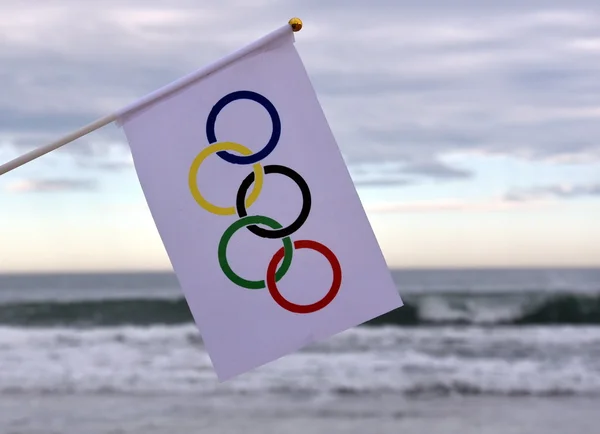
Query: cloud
column 382, row 182
column 435, row 169
column 398, row 173
column 554, row 191
column 405, row 85
column 50, row 185
column 105, row 163
column 444, row 205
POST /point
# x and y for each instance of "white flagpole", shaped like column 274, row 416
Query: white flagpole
column 36, row 153
column 295, row 24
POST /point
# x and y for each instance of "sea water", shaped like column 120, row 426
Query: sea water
column 472, row 351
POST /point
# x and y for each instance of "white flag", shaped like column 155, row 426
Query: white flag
column 256, row 209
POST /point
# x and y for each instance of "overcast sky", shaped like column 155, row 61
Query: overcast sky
column 471, row 128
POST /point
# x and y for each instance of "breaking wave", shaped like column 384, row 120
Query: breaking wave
column 419, row 310
column 509, row 361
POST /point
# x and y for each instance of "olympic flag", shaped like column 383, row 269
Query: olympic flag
column 257, row 211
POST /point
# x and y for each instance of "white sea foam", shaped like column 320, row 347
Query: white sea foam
column 536, row 361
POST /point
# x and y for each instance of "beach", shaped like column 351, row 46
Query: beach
column 473, row 351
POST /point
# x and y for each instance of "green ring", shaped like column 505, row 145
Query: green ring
column 222, row 252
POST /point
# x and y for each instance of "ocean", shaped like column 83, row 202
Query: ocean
column 472, row 351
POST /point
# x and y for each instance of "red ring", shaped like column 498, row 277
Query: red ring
column 305, row 308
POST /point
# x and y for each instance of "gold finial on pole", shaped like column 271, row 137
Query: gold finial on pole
column 296, row 24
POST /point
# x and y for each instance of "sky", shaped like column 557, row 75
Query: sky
column 471, row 129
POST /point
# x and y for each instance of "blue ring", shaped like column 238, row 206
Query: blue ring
column 264, row 152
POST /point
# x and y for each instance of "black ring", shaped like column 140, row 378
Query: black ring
column 306, row 202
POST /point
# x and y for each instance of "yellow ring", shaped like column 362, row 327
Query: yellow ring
column 223, row 146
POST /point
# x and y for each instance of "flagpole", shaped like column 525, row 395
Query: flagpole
column 295, row 24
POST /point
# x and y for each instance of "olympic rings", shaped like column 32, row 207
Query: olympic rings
column 305, row 308
column 306, row 202
column 194, row 172
column 285, row 254
column 244, row 94
column 287, row 249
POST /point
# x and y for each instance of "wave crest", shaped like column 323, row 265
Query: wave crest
column 452, row 309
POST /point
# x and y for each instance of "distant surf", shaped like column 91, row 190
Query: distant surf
column 461, row 332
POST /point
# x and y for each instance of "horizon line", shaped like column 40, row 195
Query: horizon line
column 396, row 268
